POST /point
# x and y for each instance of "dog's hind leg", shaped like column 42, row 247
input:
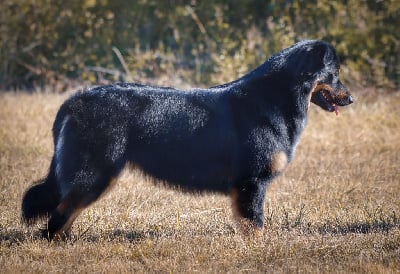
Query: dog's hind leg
column 248, row 206
column 86, row 188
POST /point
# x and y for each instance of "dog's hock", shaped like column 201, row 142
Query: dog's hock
column 278, row 162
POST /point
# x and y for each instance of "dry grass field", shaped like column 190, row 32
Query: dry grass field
column 335, row 209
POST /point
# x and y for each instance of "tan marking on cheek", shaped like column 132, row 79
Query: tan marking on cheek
column 342, row 94
column 278, row 162
column 327, row 87
column 317, row 87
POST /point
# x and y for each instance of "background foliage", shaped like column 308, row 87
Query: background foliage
column 47, row 42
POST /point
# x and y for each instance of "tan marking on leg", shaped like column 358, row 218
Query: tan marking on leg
column 245, row 226
column 68, row 203
column 71, row 206
column 249, row 229
column 278, row 162
column 67, row 226
column 235, row 205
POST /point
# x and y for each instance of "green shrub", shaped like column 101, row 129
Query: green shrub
column 198, row 42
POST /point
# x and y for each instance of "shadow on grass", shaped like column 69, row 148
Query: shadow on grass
column 15, row 237
column 374, row 221
column 117, row 235
column 358, row 227
column 12, row 237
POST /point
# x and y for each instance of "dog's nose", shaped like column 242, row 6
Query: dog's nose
column 351, row 100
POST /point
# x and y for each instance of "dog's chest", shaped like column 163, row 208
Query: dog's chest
column 272, row 147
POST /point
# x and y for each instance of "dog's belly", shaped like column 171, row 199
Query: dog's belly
column 191, row 167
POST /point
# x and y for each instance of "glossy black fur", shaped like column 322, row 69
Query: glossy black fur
column 221, row 139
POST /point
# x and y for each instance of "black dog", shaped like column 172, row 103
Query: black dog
column 234, row 138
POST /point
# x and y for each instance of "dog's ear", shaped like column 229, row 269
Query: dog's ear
column 329, row 55
column 320, row 55
column 313, row 60
column 326, row 53
column 321, row 52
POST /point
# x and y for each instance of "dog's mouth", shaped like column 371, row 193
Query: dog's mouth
column 324, row 97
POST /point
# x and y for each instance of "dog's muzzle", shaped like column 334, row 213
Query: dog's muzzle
column 329, row 99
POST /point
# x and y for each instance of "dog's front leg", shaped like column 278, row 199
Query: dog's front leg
column 248, row 205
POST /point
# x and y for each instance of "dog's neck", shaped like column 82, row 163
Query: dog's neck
column 271, row 90
column 284, row 107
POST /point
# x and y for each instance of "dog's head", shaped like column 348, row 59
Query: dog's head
column 327, row 91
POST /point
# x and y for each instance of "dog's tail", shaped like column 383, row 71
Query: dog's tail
column 40, row 199
column 44, row 196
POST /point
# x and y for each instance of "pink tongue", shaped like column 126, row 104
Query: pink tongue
column 336, row 109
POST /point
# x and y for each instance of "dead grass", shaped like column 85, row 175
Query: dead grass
column 336, row 209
